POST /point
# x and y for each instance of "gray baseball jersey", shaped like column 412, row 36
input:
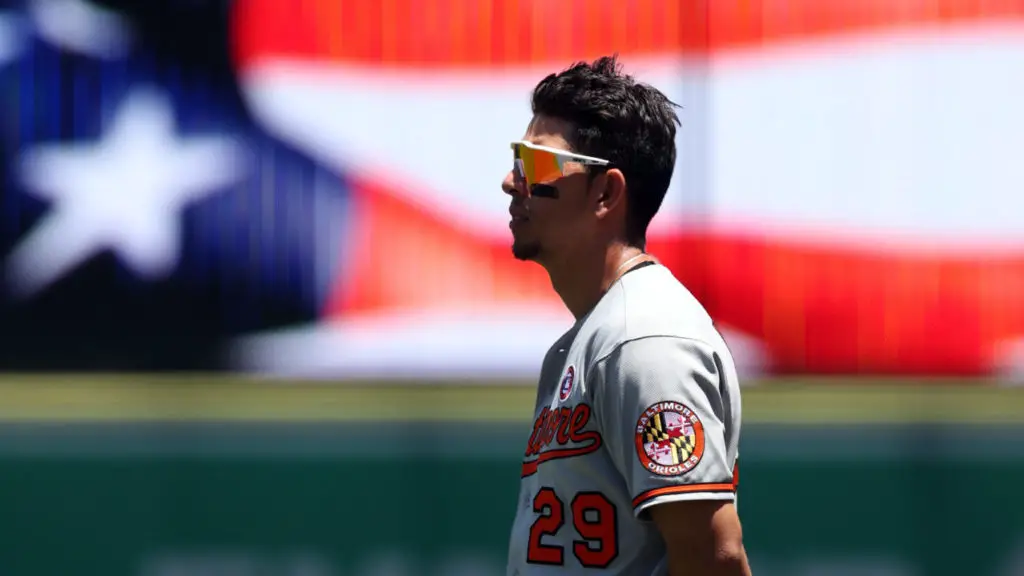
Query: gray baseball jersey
column 637, row 405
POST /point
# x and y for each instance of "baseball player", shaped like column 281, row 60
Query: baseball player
column 630, row 467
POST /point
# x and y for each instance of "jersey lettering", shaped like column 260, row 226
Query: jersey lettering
column 560, row 427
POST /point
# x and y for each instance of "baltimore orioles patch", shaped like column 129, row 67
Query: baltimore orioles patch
column 669, row 439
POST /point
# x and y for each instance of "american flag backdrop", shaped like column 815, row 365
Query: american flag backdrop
column 147, row 218
column 312, row 188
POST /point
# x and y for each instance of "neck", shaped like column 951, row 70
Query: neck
column 580, row 280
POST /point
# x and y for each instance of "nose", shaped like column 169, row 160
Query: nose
column 508, row 185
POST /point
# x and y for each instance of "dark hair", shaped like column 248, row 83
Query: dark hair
column 614, row 117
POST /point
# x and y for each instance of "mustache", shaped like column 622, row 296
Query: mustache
column 543, row 191
column 536, row 191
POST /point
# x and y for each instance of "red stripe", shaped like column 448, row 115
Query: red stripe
column 829, row 310
column 817, row 309
column 681, row 489
column 407, row 257
column 477, row 33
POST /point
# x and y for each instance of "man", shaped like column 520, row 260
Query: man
column 631, row 464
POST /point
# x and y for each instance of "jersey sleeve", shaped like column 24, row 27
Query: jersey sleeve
column 660, row 411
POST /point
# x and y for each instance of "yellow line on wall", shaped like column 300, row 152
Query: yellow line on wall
column 132, row 398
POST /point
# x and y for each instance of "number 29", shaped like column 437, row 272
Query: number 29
column 593, row 517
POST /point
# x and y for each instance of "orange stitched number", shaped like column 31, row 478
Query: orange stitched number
column 547, row 504
column 593, row 518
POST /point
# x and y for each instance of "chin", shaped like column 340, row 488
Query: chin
column 523, row 251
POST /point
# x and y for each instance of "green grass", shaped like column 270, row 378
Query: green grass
column 217, row 398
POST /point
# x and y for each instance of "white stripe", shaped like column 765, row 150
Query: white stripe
column 505, row 342
column 500, row 341
column 911, row 138
column 442, row 140
column 916, row 134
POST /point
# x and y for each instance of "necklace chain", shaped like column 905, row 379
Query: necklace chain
column 618, row 271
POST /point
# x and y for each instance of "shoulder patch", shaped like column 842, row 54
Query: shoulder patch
column 565, row 387
column 669, row 439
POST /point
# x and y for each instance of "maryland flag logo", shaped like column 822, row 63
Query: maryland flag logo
column 669, row 439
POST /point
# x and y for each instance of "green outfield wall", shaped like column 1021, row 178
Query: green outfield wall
column 102, row 478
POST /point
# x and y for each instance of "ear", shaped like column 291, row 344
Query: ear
column 611, row 192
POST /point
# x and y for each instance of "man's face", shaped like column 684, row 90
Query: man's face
column 545, row 227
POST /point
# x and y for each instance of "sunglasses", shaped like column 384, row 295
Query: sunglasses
column 538, row 166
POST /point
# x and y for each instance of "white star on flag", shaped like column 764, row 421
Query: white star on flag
column 124, row 193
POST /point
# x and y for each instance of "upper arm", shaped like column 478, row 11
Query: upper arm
column 663, row 418
column 660, row 411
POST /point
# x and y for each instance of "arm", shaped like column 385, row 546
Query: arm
column 667, row 415
column 703, row 537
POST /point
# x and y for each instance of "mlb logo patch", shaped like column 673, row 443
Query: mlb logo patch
column 565, row 388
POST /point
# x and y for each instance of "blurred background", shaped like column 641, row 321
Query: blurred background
column 259, row 315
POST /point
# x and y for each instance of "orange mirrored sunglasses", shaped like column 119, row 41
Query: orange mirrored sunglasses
column 537, row 164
